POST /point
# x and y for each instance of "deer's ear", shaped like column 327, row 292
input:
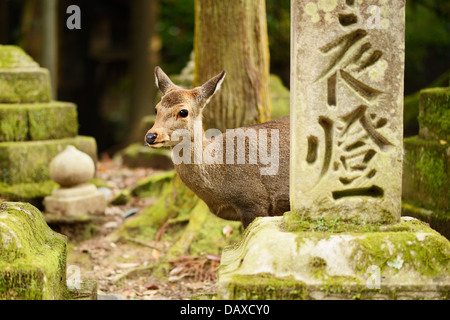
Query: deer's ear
column 162, row 81
column 212, row 86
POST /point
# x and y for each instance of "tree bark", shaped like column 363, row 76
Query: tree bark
column 232, row 35
column 143, row 60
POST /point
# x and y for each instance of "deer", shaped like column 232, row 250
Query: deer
column 241, row 189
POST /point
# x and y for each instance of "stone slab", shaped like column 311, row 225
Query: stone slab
column 81, row 200
column 347, row 69
column 21, row 78
column 32, row 192
column 137, row 155
column 25, row 162
column 38, row 121
column 32, row 256
column 437, row 219
column 289, row 258
column 25, row 85
column 434, row 114
column 426, row 173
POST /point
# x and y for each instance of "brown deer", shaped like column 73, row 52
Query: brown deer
column 240, row 174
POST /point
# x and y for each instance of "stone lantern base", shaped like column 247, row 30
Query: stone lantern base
column 287, row 258
column 81, row 200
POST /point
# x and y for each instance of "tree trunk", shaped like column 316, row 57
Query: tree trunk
column 49, row 55
column 232, row 35
column 143, row 60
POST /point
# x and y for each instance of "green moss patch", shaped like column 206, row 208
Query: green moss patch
column 138, row 155
column 265, row 287
column 426, row 173
column 32, row 256
column 409, row 259
column 437, row 219
column 25, row 86
column 13, row 57
column 33, row 192
column 187, row 221
column 434, row 113
column 21, row 79
column 26, row 162
column 38, row 121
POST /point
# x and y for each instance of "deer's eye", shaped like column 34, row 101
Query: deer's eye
column 183, row 113
column 156, row 111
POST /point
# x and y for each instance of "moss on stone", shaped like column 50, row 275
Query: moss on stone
column 38, row 121
column 25, row 162
column 426, row 172
column 434, row 113
column 13, row 123
column 25, row 86
column 408, row 251
column 33, row 192
column 410, row 256
column 32, row 256
column 437, row 219
column 190, row 226
column 13, row 57
column 121, row 198
column 145, row 225
column 138, row 155
column 21, row 79
column 153, row 185
column 265, row 287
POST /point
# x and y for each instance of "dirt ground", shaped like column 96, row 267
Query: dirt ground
column 124, row 269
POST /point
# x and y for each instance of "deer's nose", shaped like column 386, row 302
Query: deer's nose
column 150, row 138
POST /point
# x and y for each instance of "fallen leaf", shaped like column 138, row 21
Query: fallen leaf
column 156, row 254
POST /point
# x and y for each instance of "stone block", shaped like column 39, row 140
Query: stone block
column 434, row 114
column 291, row 258
column 81, row 200
column 25, row 162
column 138, row 155
column 426, row 173
column 437, row 219
column 21, row 78
column 347, row 109
column 32, row 256
column 25, row 85
column 38, row 121
column 32, row 192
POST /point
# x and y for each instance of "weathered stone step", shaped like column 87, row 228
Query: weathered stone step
column 25, row 162
column 21, row 78
column 25, row 86
column 32, row 256
column 426, row 173
column 434, row 114
column 38, row 121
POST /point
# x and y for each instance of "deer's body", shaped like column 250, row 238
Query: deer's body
column 232, row 191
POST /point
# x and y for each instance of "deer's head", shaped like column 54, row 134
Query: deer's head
column 179, row 108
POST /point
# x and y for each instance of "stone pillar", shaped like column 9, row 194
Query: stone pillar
column 347, row 66
column 33, row 128
column 344, row 238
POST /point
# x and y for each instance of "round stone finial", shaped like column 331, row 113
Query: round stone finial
column 71, row 167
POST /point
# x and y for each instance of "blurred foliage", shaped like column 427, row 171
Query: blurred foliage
column 278, row 28
column 427, row 42
column 176, row 29
column 427, row 38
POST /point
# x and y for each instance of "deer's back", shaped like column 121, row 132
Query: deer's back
column 230, row 189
